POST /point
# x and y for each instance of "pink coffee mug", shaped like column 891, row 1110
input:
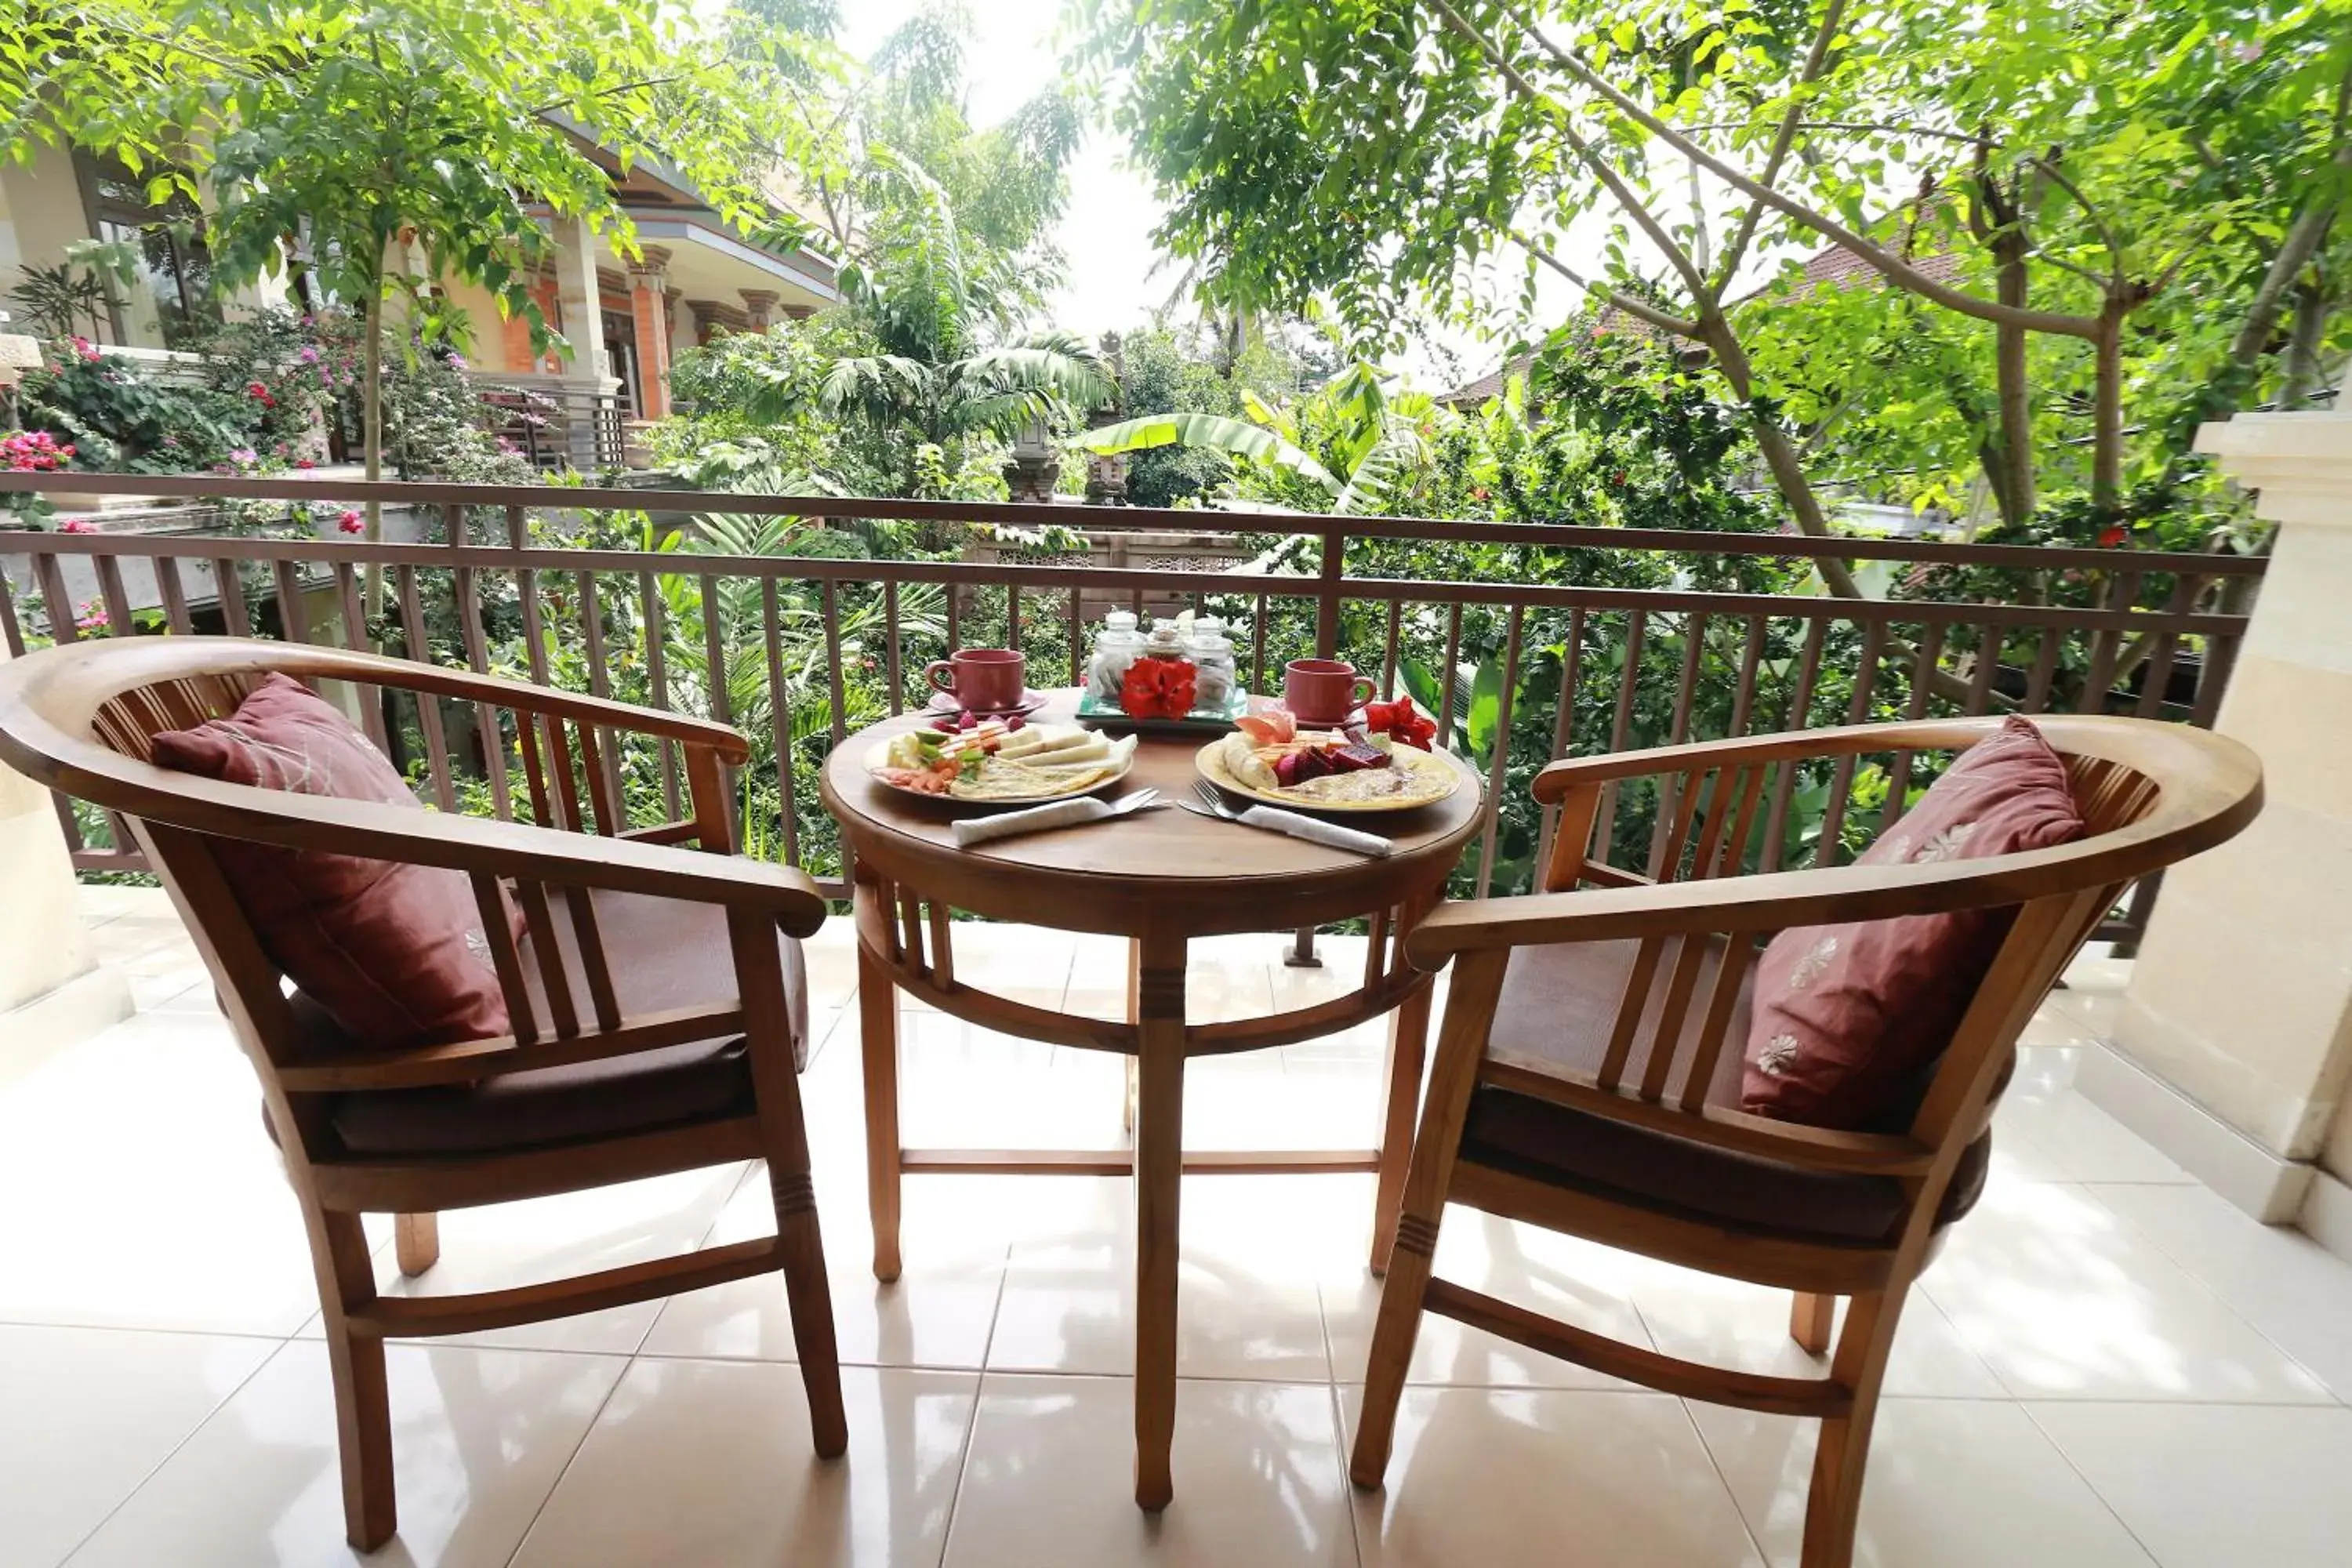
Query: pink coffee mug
column 1324, row 690
column 983, row 679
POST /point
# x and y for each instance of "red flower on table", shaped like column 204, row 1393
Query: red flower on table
column 1158, row 689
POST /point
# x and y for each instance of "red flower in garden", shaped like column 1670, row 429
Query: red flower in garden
column 255, row 389
column 304, row 463
column 350, row 521
column 2111, row 536
column 1158, row 689
column 77, row 525
column 86, row 348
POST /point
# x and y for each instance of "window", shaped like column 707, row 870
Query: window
column 173, row 276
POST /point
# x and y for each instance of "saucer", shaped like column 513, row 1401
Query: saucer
column 944, row 702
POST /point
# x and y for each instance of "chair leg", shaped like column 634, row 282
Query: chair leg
column 1836, row 1502
column 416, row 1242
column 809, row 1296
column 1810, row 1319
column 1394, row 1332
column 346, row 1274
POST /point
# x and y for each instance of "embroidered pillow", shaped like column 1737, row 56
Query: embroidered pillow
column 1845, row 1016
column 394, row 952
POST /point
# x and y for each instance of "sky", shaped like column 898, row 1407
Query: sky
column 1116, row 274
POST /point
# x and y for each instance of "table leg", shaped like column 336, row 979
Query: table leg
column 1134, row 976
column 1399, row 1098
column 877, row 1030
column 1158, row 1177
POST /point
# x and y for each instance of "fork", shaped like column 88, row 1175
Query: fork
column 1217, row 805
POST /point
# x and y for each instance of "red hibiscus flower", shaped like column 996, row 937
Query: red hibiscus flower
column 2111, row 536
column 1158, row 689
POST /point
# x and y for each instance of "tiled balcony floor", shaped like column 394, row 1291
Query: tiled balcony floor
column 2107, row 1366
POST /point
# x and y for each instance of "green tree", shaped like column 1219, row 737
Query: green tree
column 2066, row 206
column 320, row 135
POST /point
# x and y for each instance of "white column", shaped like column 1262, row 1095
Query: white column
column 53, row 991
column 2240, row 1008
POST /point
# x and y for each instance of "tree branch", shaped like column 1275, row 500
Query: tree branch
column 1606, row 173
column 1611, row 297
column 1887, row 265
column 1816, row 59
column 2050, row 172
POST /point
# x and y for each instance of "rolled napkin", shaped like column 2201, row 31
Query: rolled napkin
column 1315, row 830
column 972, row 830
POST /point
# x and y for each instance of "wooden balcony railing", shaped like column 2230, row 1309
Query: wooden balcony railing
column 1551, row 639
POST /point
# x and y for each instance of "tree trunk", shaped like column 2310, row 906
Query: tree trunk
column 371, row 444
column 2108, row 408
column 1780, row 457
column 2015, row 487
column 2302, row 374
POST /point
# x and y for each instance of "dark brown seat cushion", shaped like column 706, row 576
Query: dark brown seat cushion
column 665, row 954
column 1557, row 1006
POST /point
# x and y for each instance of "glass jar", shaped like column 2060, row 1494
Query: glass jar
column 1212, row 657
column 1117, row 645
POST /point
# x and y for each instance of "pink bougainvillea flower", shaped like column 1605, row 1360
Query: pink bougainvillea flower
column 350, row 521
column 77, row 525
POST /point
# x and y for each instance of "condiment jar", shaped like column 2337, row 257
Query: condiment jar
column 1216, row 676
column 1116, row 647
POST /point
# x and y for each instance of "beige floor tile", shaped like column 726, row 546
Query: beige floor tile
column 88, row 1413
column 1247, row 1302
column 2285, row 1284
column 1050, row 1482
column 2063, row 1299
column 1953, row 1483
column 1559, row 1276
column 1539, row 1477
column 1025, row 963
column 2218, row 1487
column 478, row 1438
column 143, row 1192
column 710, row 1463
column 937, row 1314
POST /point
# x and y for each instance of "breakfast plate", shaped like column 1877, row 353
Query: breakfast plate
column 1404, row 779
column 992, row 765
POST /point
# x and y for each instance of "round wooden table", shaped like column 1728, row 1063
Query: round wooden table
column 1159, row 879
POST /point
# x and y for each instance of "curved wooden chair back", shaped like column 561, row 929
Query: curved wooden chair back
column 2151, row 794
column 82, row 718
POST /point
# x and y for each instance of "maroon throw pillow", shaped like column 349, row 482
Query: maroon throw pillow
column 394, row 952
column 1845, row 1016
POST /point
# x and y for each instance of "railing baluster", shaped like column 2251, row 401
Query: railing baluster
column 955, row 615
column 2045, row 670
column 1446, row 673
column 1923, row 678
column 1798, row 717
column 1751, row 660
column 780, row 714
column 355, row 637
column 1831, row 847
column 1077, row 638
column 831, row 606
column 1988, row 644
column 2156, row 677
column 2213, row 678
column 1389, row 651
column 486, row 718
column 1563, row 727
column 1498, row 767
column 2122, row 593
column 293, row 622
column 1686, row 692
column 228, row 587
column 714, row 651
column 1012, row 616
column 600, row 683
column 57, row 603
column 119, row 620
column 1619, row 728
column 534, row 638
column 428, row 706
column 651, row 617
column 1257, row 651
column 10, row 627
column 890, row 673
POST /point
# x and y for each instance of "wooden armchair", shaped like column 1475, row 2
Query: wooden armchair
column 657, row 1002
column 1587, row 1075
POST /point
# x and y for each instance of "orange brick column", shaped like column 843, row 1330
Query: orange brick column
column 649, row 311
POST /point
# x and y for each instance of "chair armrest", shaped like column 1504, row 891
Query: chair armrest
column 1777, row 901
column 1559, row 779
column 470, row 844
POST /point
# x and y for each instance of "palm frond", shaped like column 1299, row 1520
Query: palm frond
column 1213, row 430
